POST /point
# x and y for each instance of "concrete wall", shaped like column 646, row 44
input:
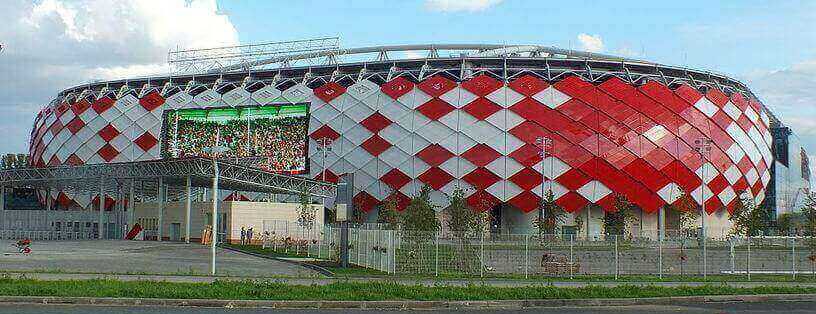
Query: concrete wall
column 238, row 214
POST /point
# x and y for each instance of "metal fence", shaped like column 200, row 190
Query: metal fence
column 614, row 256
column 45, row 235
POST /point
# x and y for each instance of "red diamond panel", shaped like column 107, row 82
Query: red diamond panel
column 151, row 101
column 482, row 201
column 527, row 179
column 365, row 201
column 481, row 178
column 54, row 161
column 688, row 93
column 102, row 104
column 328, row 176
column 573, row 179
column 74, row 160
column 56, row 127
column 481, row 155
column 146, row 141
column 528, row 155
column 397, row 87
column 376, row 122
column 434, row 155
column 435, row 108
column 75, row 125
column 376, row 145
column 436, row 85
column 80, row 106
column 525, row 201
column 528, row 85
column 108, row 133
column 481, row 85
column 107, row 152
column 481, row 108
column 435, row 178
column 571, row 202
column 325, row 132
column 329, row 91
column 395, row 179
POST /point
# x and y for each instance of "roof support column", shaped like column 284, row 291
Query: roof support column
column 101, row 222
column 160, row 201
column 215, row 200
column 48, row 205
column 187, row 208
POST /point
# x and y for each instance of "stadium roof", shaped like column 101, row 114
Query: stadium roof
column 144, row 175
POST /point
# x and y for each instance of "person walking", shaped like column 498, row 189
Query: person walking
column 243, row 235
column 249, row 235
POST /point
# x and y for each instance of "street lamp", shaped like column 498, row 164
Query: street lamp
column 214, row 152
column 703, row 147
column 544, row 143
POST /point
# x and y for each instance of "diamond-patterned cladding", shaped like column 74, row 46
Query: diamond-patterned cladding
column 146, row 141
column 481, row 155
column 436, row 85
column 435, row 109
column 376, row 122
column 329, row 91
column 108, row 133
column 395, row 179
column 434, row 154
column 397, row 87
column 481, row 108
column 481, row 178
column 436, row 178
column 651, row 121
column 375, row 145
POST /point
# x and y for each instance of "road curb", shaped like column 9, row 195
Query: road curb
column 321, row 270
column 417, row 305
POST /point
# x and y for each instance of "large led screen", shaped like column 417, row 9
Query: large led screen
column 267, row 137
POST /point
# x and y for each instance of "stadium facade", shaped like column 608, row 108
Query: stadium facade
column 506, row 125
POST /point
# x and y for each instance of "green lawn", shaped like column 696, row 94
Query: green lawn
column 349, row 291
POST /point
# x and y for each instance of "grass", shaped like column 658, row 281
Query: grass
column 350, row 291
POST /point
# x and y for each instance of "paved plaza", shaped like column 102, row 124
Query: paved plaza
column 139, row 257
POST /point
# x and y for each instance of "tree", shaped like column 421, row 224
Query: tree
column 615, row 222
column 462, row 220
column 420, row 215
column 809, row 225
column 689, row 211
column 550, row 216
column 748, row 218
column 388, row 214
column 306, row 212
column 789, row 222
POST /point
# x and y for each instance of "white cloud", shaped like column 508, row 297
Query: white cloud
column 460, row 5
column 591, row 43
column 50, row 45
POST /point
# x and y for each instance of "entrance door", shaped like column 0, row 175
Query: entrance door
column 175, row 232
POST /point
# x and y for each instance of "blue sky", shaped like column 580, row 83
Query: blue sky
column 54, row 44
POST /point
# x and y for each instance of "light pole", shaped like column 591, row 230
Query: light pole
column 543, row 143
column 214, row 152
column 325, row 147
column 703, row 147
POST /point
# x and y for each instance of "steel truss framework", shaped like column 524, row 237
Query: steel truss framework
column 116, row 177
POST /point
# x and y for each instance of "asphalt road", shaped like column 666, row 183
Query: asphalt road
column 768, row 307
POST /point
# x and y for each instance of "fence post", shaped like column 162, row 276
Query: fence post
column 481, row 260
column 748, row 262
column 660, row 256
column 793, row 258
column 732, row 256
column 436, row 254
column 572, row 262
column 616, row 257
column 393, row 252
column 526, row 255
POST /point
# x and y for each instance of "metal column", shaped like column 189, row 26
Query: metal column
column 3, row 226
column 101, row 223
column 160, row 200
column 131, row 204
column 187, row 208
column 214, row 215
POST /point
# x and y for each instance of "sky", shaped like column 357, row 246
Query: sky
column 50, row 45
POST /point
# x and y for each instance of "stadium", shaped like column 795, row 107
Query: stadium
column 506, row 124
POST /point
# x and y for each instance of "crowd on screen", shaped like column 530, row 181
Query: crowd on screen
column 281, row 140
